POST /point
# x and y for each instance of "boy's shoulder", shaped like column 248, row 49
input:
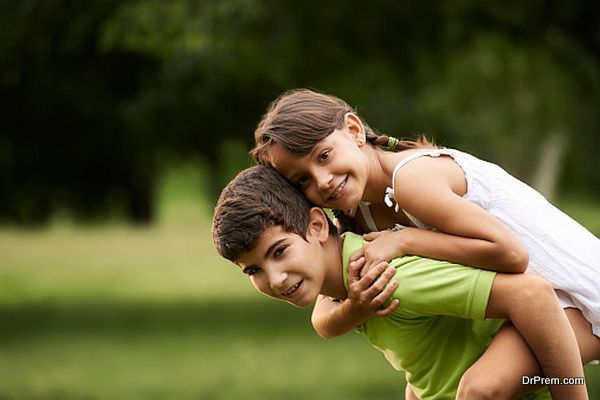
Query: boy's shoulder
column 429, row 287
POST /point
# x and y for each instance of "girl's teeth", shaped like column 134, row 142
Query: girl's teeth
column 338, row 190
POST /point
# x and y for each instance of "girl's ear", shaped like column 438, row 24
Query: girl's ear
column 318, row 225
column 354, row 126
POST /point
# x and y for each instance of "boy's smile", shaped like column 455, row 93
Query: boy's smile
column 284, row 266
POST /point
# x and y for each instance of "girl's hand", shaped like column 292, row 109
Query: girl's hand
column 367, row 294
column 382, row 246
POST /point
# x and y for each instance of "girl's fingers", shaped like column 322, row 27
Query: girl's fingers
column 372, row 235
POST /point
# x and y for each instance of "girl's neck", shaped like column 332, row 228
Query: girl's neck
column 380, row 169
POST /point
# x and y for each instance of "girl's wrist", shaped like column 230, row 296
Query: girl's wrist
column 403, row 243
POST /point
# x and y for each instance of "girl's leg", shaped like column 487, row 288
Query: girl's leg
column 409, row 394
column 589, row 344
column 498, row 374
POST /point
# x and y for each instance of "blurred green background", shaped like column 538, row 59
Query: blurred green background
column 120, row 121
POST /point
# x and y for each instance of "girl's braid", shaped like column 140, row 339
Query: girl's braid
column 391, row 143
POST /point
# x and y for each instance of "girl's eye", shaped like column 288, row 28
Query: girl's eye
column 302, row 181
column 324, row 156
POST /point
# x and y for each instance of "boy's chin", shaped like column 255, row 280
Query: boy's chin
column 301, row 306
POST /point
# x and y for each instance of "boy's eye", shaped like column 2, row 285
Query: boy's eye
column 279, row 251
column 324, row 155
column 251, row 270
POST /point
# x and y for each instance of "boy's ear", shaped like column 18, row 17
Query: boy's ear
column 355, row 128
column 318, row 227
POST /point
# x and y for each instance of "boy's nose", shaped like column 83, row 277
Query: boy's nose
column 277, row 280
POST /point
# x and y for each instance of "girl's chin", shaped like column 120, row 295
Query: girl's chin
column 344, row 204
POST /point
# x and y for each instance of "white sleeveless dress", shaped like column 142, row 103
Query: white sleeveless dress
column 560, row 250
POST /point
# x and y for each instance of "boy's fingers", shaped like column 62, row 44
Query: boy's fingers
column 354, row 269
column 382, row 282
column 384, row 312
column 369, row 278
column 369, row 265
column 357, row 254
column 387, row 291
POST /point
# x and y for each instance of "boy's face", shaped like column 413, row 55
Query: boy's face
column 286, row 267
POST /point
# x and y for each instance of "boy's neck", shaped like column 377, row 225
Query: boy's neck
column 333, row 285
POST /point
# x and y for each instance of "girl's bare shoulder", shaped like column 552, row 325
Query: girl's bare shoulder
column 430, row 172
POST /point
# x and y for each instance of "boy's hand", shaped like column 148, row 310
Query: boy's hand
column 368, row 294
column 381, row 246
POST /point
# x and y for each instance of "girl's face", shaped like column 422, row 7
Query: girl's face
column 334, row 174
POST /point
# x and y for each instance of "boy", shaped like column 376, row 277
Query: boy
column 292, row 252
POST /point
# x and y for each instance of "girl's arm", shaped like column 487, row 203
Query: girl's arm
column 431, row 190
column 366, row 298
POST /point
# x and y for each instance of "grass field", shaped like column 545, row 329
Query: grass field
column 118, row 312
column 130, row 313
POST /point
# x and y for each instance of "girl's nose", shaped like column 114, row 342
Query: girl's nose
column 324, row 180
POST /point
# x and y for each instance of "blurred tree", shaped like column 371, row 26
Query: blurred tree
column 98, row 96
column 63, row 142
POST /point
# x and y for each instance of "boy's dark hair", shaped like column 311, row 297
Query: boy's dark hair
column 256, row 199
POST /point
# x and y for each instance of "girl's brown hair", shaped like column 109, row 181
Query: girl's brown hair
column 299, row 119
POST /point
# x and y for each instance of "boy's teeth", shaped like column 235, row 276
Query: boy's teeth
column 292, row 290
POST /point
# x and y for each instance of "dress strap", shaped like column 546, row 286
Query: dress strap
column 389, row 191
column 365, row 210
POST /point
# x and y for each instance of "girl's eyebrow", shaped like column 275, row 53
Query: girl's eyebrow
column 316, row 149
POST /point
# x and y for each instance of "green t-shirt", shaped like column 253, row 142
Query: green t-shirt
column 439, row 329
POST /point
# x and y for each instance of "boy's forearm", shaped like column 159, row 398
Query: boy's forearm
column 331, row 319
column 532, row 306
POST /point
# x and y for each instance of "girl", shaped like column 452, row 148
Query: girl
column 455, row 207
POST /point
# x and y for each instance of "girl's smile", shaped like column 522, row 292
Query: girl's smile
column 332, row 175
column 339, row 190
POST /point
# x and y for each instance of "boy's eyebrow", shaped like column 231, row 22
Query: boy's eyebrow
column 245, row 270
column 272, row 246
column 266, row 255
